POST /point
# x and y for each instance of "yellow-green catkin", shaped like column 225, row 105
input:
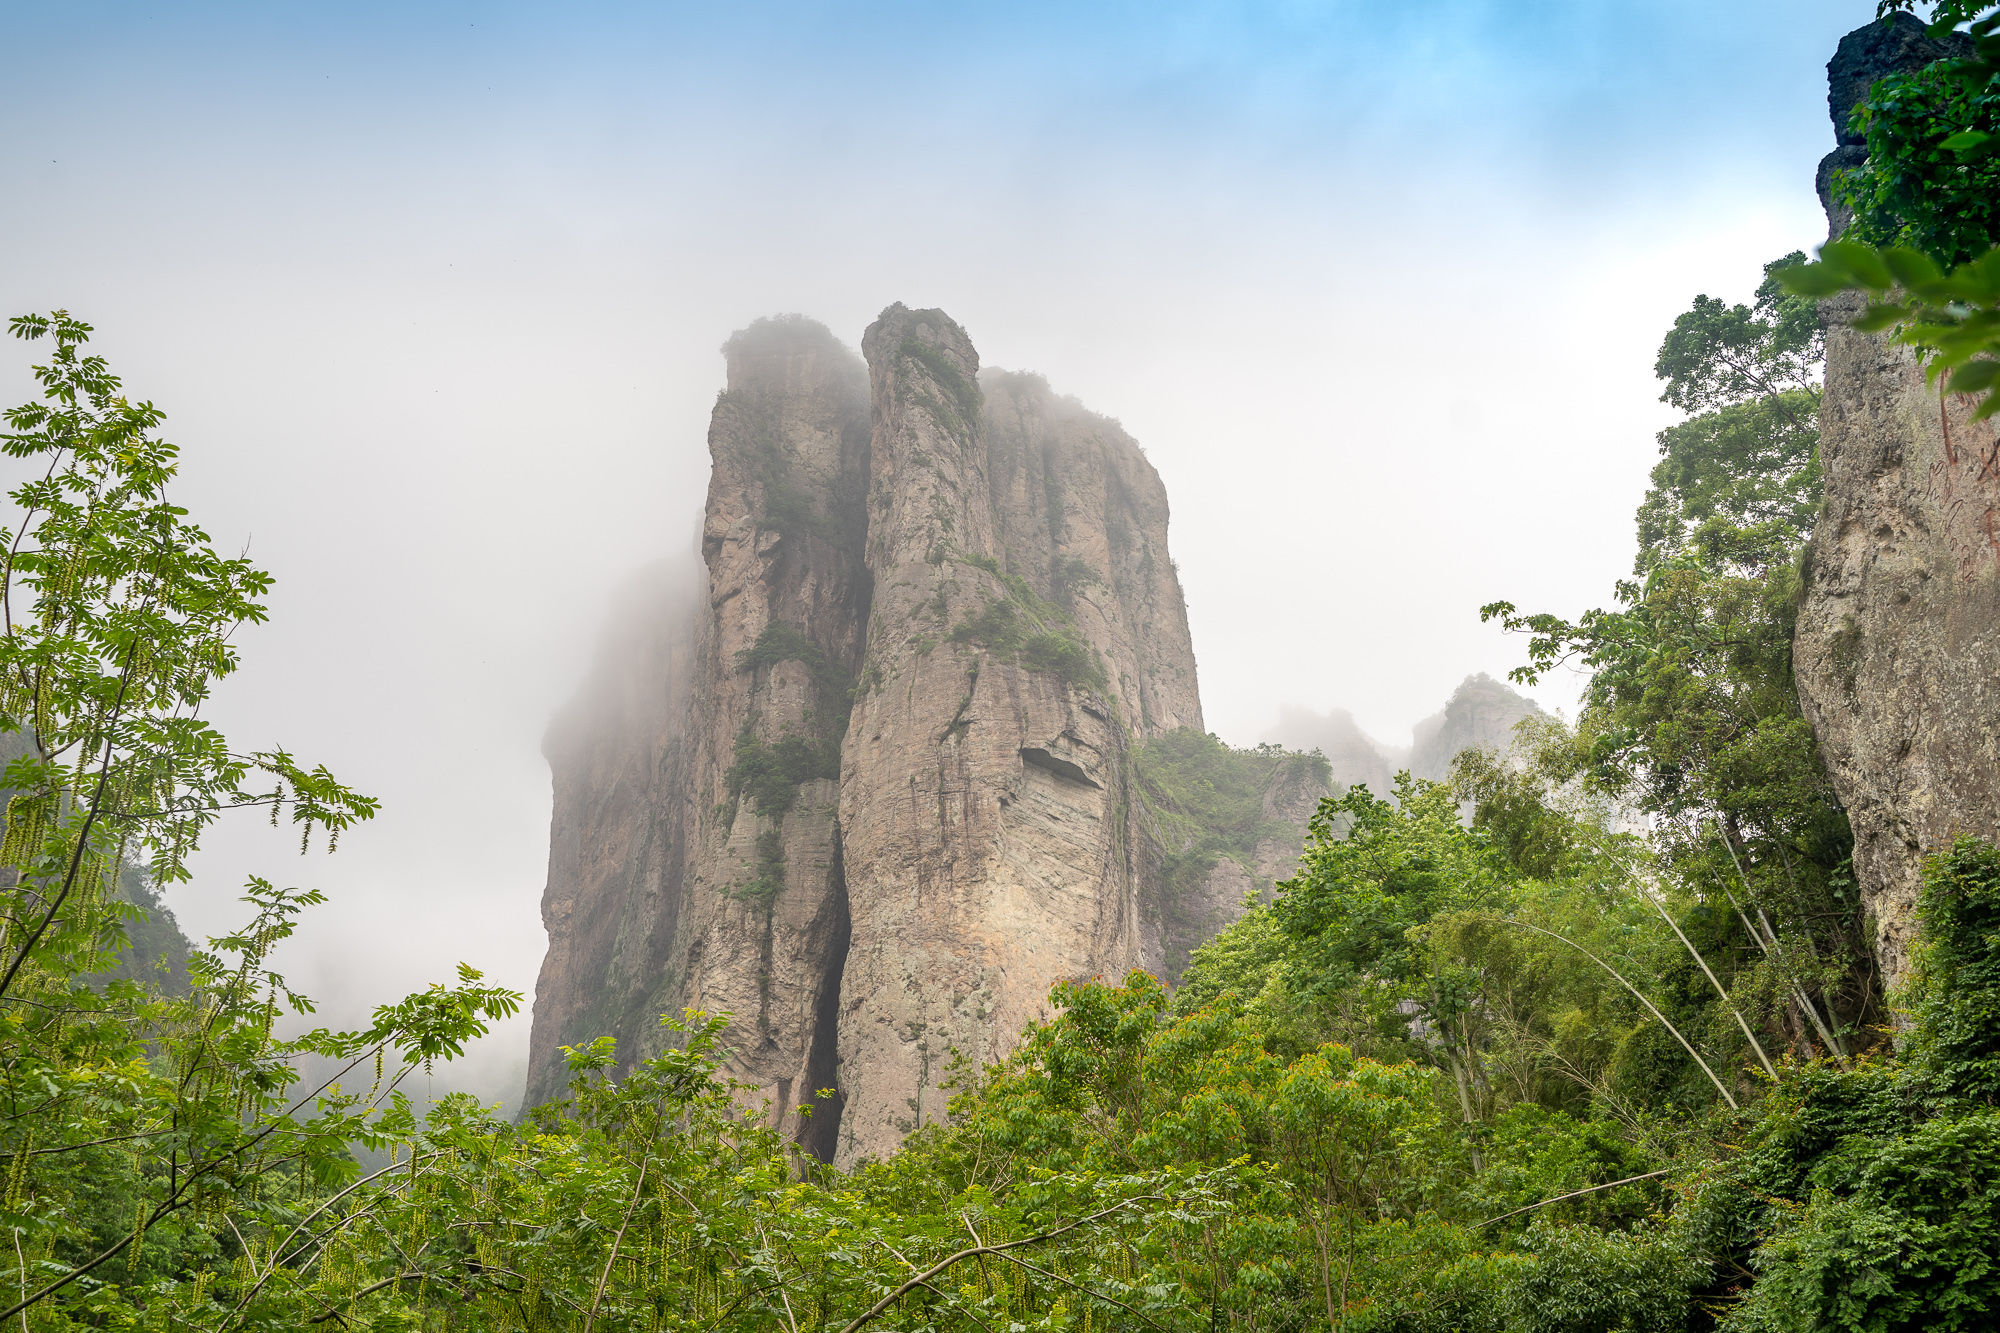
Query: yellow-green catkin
column 17, row 1172
column 138, row 1245
column 14, row 845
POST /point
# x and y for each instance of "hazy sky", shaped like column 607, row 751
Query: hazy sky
column 433, row 296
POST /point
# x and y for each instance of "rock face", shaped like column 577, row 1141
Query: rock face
column 1897, row 649
column 1291, row 793
column 1899, row 42
column 862, row 782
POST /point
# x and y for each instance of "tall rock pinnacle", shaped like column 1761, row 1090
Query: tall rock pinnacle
column 865, row 788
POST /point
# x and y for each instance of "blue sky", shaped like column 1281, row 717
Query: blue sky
column 433, row 296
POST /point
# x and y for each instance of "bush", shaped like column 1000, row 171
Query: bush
column 1955, row 1041
column 771, row 773
column 1588, row 1281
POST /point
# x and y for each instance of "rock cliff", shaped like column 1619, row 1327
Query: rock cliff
column 1897, row 650
column 863, row 781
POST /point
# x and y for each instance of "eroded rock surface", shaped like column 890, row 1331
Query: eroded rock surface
column 865, row 788
column 694, row 857
column 1897, row 650
column 1898, row 643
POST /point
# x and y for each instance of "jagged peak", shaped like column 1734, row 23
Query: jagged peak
column 898, row 324
column 1479, row 684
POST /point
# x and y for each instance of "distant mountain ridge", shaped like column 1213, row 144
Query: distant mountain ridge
column 1480, row 715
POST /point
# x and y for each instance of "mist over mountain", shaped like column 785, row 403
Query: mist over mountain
column 1480, row 715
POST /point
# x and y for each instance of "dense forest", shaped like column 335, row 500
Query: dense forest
column 1492, row 1058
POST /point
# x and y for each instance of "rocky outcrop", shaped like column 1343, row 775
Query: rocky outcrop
column 693, row 857
column 1289, row 792
column 1895, row 43
column 1897, row 650
column 862, row 783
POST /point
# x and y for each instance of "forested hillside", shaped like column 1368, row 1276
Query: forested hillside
column 1511, row 1069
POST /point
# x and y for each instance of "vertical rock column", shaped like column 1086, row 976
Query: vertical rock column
column 982, row 792
column 694, row 857
column 764, row 930
column 864, row 785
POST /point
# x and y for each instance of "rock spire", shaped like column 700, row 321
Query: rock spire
column 861, row 781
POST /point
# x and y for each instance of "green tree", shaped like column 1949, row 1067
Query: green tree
column 149, row 1137
column 1691, row 711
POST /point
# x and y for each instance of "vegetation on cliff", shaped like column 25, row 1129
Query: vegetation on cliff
column 1921, row 242
column 1205, row 800
column 1019, row 626
column 1521, row 1071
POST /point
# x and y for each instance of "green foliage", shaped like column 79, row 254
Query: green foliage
column 768, row 881
column 770, row 773
column 1927, row 211
column 1331, row 1142
column 1951, row 318
column 1932, row 178
column 1955, row 1041
column 155, row 1139
column 1204, row 800
column 1512, row 805
column 963, row 399
column 780, row 642
column 1068, row 576
column 1356, row 899
column 1584, row 1281
column 1717, row 355
column 1022, row 627
column 1869, row 1198
column 1737, row 486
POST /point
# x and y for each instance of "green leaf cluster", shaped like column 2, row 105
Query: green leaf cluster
column 1932, row 173
column 1951, row 318
column 1927, row 211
